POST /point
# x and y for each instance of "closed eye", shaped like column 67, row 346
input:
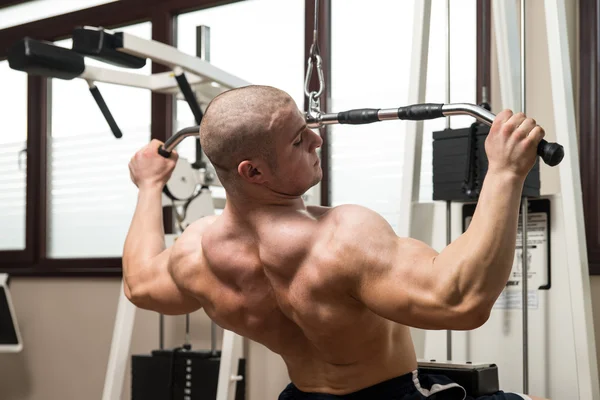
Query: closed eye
column 297, row 143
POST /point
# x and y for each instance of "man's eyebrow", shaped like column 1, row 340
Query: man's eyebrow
column 299, row 131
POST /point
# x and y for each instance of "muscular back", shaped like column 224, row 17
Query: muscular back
column 284, row 283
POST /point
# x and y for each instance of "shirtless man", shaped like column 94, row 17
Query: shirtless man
column 331, row 290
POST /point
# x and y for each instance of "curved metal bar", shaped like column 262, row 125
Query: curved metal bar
column 551, row 153
column 480, row 113
column 174, row 140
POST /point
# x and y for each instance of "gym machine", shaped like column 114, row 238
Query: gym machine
column 573, row 371
column 181, row 372
column 10, row 336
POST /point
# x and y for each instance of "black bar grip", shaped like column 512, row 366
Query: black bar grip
column 163, row 152
column 106, row 112
column 189, row 96
column 359, row 116
column 420, row 112
column 551, row 153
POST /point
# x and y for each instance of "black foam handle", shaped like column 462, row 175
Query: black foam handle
column 189, row 96
column 106, row 112
column 359, row 116
column 163, row 152
column 420, row 112
column 551, row 153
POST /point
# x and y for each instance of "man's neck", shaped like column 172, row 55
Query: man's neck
column 250, row 207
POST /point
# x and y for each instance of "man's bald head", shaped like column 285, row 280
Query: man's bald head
column 241, row 124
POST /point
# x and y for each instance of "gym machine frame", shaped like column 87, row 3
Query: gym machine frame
column 564, row 112
column 565, row 123
column 9, row 328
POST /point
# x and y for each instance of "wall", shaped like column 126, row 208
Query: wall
column 67, row 327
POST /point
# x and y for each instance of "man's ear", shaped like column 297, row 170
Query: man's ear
column 252, row 171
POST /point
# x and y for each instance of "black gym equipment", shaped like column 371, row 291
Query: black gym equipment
column 42, row 58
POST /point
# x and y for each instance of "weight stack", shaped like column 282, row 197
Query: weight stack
column 451, row 157
column 179, row 375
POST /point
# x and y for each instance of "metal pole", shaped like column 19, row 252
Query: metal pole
column 213, row 338
column 484, row 89
column 203, row 51
column 161, row 332
column 447, row 59
column 524, row 274
column 525, row 296
column 448, row 203
column 203, row 42
column 448, row 241
column 187, row 329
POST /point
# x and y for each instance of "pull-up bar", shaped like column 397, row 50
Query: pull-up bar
column 551, row 153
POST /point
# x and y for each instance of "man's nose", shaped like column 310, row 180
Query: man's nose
column 317, row 141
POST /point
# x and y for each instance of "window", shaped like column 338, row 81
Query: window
column 40, row 9
column 247, row 41
column 13, row 161
column 367, row 161
column 91, row 197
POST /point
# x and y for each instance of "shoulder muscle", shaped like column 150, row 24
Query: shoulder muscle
column 389, row 275
column 187, row 256
column 357, row 239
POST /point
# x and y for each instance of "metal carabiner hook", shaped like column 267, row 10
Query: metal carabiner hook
column 320, row 75
column 308, row 77
column 309, row 70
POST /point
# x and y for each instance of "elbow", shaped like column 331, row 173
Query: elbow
column 132, row 293
column 139, row 297
column 136, row 279
column 135, row 292
column 472, row 314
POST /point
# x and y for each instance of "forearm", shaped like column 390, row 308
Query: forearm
column 145, row 239
column 479, row 262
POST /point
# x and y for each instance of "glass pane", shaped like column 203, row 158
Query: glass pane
column 243, row 37
column 371, row 157
column 41, row 9
column 91, row 197
column 13, row 177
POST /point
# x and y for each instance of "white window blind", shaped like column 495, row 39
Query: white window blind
column 40, row 9
column 91, row 197
column 260, row 41
column 370, row 63
column 13, row 139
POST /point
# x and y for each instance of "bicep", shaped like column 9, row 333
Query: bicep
column 156, row 290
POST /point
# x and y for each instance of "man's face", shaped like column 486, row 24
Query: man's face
column 298, row 165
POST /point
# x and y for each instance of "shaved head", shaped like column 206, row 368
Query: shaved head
column 241, row 124
column 257, row 139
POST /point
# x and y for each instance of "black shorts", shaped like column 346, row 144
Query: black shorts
column 412, row 386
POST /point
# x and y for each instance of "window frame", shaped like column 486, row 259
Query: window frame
column 33, row 261
column 589, row 126
column 9, row 3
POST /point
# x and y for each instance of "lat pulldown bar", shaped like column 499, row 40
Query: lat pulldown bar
column 551, row 153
